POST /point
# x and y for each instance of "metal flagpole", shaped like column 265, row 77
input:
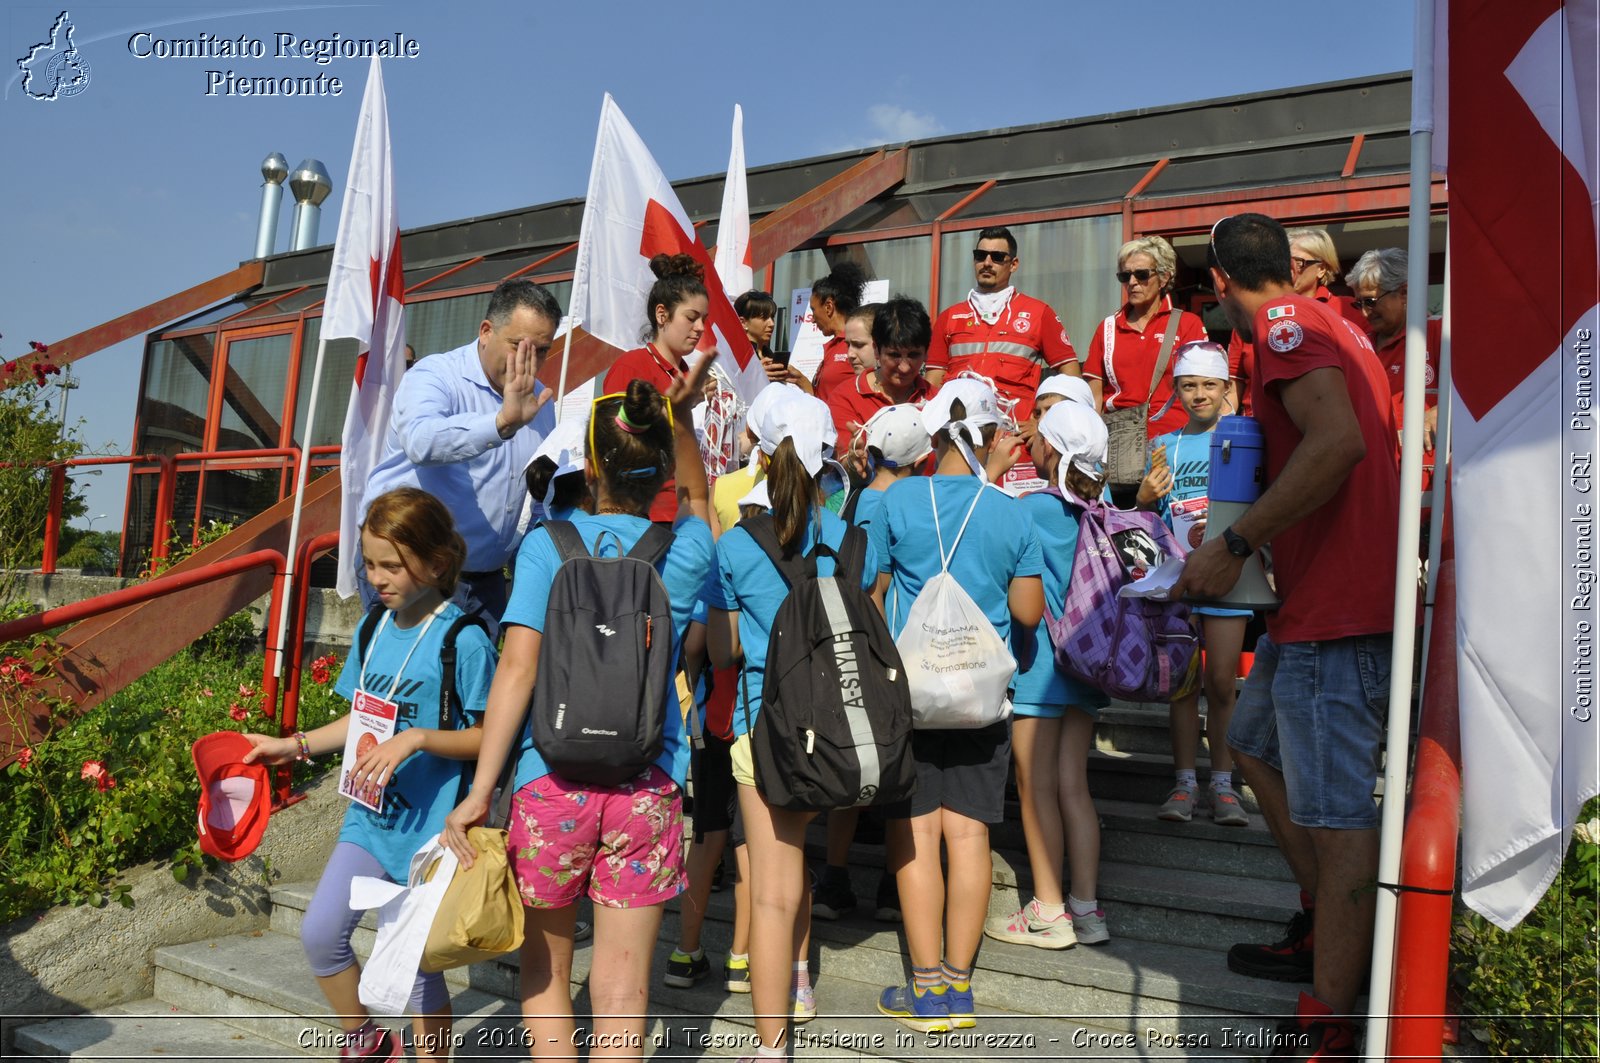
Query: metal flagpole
column 566, row 356
column 301, row 478
column 1402, row 662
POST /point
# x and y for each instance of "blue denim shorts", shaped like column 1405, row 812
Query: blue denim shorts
column 1317, row 711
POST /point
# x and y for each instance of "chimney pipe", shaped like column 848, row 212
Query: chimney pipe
column 274, row 168
column 310, row 184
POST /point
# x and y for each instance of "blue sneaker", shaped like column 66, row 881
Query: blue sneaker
column 924, row 1012
column 958, row 1000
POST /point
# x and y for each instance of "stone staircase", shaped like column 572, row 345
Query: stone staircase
column 1176, row 895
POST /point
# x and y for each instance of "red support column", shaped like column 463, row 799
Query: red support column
column 52, row 519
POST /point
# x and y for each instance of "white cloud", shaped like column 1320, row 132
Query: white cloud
column 894, row 123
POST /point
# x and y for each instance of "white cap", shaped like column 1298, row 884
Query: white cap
column 757, row 495
column 977, row 398
column 564, row 446
column 1078, row 434
column 1072, row 388
column 765, row 398
column 799, row 417
column 1201, row 358
column 898, row 434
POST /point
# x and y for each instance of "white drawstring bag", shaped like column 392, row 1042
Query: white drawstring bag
column 405, row 915
column 957, row 664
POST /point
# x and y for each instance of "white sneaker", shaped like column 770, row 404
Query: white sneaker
column 1026, row 927
column 1091, row 928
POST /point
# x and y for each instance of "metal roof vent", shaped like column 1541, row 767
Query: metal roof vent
column 310, row 184
column 274, row 168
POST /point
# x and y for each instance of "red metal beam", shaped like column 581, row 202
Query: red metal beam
column 137, row 322
column 1355, row 153
column 274, row 301
column 551, row 257
column 1133, row 193
column 835, row 199
column 936, row 235
column 967, row 200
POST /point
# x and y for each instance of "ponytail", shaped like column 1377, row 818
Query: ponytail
column 794, row 495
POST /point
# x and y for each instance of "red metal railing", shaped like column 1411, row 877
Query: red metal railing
column 167, row 467
column 1428, row 854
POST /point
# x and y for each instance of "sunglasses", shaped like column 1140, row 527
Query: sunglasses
column 1304, row 263
column 1372, row 300
column 594, row 411
column 1140, row 275
column 1211, row 246
column 1002, row 257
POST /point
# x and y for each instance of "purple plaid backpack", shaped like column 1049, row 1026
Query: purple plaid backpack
column 1136, row 649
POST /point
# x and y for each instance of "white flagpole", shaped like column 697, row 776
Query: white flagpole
column 566, row 356
column 1397, row 760
column 301, row 478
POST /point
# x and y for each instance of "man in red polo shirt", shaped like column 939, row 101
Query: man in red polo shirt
column 1308, row 728
column 1379, row 280
column 998, row 332
column 900, row 333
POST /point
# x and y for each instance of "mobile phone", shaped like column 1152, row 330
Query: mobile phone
column 781, row 357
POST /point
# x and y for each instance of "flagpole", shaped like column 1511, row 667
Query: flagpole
column 1402, row 659
column 301, row 478
column 566, row 356
column 1441, row 472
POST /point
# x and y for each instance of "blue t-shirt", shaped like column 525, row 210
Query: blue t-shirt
column 683, row 572
column 423, row 790
column 1189, row 457
column 1039, row 680
column 749, row 583
column 868, row 509
column 998, row 545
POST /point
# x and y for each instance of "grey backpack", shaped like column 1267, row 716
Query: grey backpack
column 605, row 662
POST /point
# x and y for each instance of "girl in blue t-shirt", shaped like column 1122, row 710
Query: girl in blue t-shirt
column 413, row 557
column 623, row 844
column 961, row 774
column 744, row 601
column 1052, row 727
column 1175, row 484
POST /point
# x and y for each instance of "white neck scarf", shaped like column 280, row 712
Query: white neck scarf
column 990, row 305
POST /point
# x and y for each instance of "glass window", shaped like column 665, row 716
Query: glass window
column 253, row 396
column 1068, row 263
column 177, row 386
column 444, row 324
column 333, row 397
column 905, row 263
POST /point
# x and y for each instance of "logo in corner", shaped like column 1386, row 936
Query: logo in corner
column 1284, row 336
column 604, row 630
column 55, row 69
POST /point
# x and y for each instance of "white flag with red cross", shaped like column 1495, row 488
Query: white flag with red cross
column 733, row 224
column 1523, row 484
column 631, row 215
column 366, row 302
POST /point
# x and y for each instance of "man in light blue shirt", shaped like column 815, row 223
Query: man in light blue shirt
column 466, row 423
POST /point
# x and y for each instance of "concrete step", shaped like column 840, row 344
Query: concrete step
column 258, row 986
column 1128, row 984
column 144, row 1030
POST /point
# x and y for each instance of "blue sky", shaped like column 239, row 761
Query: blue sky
column 142, row 185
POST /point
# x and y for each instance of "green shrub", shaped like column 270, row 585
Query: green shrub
column 118, row 786
column 1532, row 993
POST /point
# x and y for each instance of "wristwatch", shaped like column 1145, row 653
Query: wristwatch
column 1237, row 546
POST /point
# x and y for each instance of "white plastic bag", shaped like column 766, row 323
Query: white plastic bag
column 958, row 666
column 405, row 915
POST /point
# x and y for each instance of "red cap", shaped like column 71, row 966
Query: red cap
column 235, row 798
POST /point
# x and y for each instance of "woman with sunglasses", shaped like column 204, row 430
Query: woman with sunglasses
column 675, row 313
column 622, row 844
column 1124, row 349
column 833, row 299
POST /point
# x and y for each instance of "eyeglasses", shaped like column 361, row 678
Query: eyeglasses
column 979, row 254
column 1304, row 263
column 1140, row 275
column 902, row 356
column 1371, row 301
column 1211, row 246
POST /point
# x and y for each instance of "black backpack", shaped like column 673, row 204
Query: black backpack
column 605, row 662
column 452, row 715
column 835, row 724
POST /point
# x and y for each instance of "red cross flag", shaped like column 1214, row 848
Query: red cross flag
column 1524, row 486
column 631, row 215
column 366, row 302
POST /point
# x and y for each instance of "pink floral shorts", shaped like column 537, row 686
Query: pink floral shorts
column 625, row 843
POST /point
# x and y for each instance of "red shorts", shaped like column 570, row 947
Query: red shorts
column 624, row 843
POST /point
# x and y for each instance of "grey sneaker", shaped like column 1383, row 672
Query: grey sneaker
column 1091, row 929
column 1226, row 808
column 1179, row 806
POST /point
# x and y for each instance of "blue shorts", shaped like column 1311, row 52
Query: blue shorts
column 1317, row 712
column 1090, row 706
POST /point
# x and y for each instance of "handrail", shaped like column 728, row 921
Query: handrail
column 166, row 491
column 62, row 615
column 299, row 603
column 1428, row 854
